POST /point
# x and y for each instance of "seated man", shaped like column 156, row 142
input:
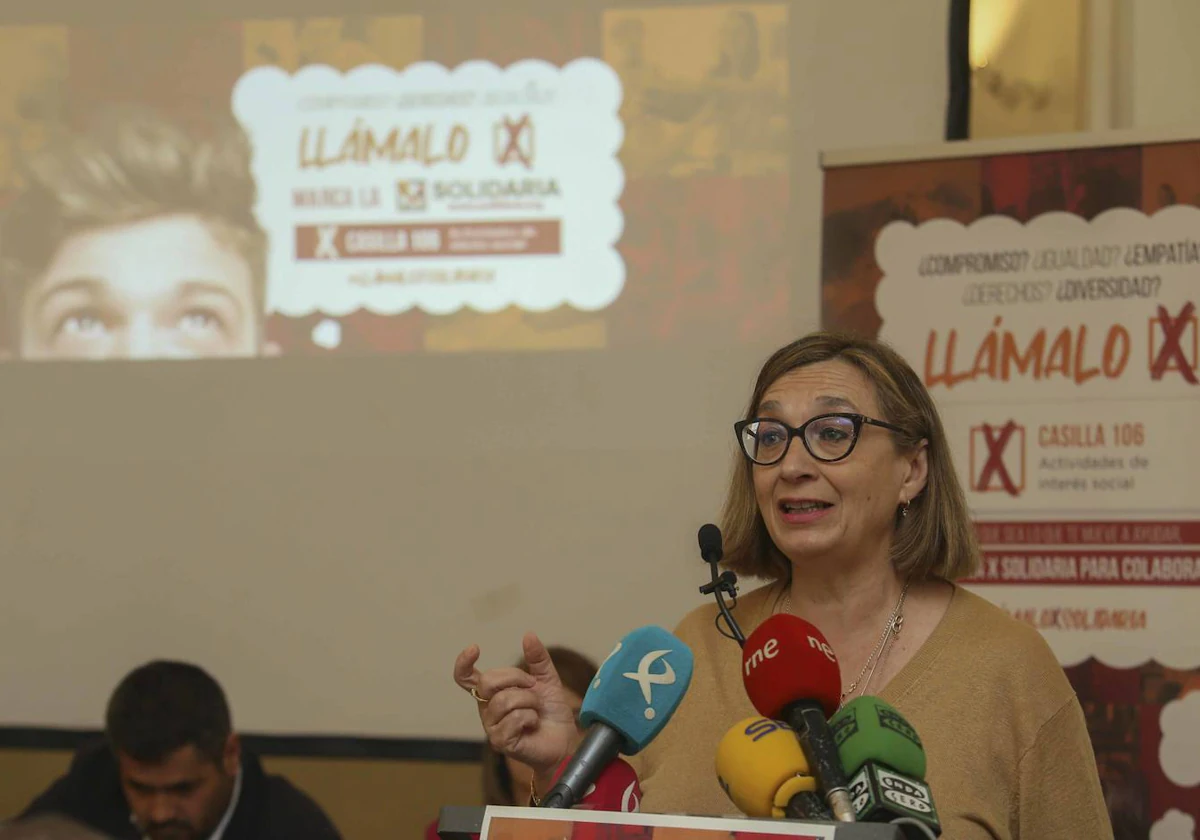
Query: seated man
column 173, row 769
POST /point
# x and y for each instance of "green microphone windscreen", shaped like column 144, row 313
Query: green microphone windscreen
column 868, row 729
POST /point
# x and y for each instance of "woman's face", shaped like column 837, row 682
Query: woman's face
column 842, row 511
column 521, row 774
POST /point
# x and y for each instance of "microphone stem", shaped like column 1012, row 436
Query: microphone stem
column 599, row 747
column 728, row 616
column 816, row 739
column 806, row 806
column 840, row 804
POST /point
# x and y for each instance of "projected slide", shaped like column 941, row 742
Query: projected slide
column 437, row 189
column 392, row 184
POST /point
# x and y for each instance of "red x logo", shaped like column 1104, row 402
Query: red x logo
column 1170, row 354
column 996, row 441
column 514, row 141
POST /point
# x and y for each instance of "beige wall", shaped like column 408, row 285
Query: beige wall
column 1141, row 66
column 1163, row 63
column 368, row 800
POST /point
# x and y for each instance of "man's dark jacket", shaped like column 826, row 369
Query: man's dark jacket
column 268, row 808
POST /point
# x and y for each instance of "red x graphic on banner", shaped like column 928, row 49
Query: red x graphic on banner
column 997, row 440
column 1172, row 346
column 515, row 132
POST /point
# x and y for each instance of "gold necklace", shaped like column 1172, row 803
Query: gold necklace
column 892, row 628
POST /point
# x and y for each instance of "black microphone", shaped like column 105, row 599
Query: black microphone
column 723, row 583
column 709, row 538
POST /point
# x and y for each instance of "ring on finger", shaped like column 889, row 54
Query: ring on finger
column 478, row 699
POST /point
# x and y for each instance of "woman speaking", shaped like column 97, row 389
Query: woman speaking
column 846, row 500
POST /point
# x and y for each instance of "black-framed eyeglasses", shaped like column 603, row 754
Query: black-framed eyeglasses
column 827, row 437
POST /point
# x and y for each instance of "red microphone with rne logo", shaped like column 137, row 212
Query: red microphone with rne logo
column 791, row 674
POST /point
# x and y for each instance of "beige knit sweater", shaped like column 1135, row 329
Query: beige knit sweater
column 1007, row 746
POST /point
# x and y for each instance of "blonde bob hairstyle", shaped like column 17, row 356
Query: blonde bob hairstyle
column 936, row 539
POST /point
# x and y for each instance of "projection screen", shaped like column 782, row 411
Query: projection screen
column 333, row 344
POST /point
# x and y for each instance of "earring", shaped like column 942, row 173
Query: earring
column 904, row 509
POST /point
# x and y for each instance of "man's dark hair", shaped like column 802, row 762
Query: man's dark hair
column 164, row 706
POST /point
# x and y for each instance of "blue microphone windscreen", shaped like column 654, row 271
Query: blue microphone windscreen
column 639, row 686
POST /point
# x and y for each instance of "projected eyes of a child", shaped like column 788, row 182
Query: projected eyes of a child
column 93, row 324
column 82, row 324
column 202, row 320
